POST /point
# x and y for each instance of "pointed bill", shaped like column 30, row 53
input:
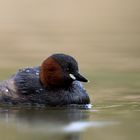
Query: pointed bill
column 79, row 77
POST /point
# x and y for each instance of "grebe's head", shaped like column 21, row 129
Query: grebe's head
column 60, row 70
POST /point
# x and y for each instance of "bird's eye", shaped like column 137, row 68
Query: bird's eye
column 67, row 69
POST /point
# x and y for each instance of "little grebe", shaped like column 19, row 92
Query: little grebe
column 55, row 83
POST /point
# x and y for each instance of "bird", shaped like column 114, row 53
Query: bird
column 56, row 82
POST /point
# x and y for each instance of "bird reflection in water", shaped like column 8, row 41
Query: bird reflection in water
column 49, row 122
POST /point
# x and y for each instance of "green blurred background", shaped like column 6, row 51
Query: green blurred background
column 104, row 36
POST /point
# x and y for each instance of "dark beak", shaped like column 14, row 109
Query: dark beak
column 79, row 77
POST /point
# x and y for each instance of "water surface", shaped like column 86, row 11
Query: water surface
column 120, row 120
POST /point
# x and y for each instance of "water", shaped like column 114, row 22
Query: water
column 117, row 121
